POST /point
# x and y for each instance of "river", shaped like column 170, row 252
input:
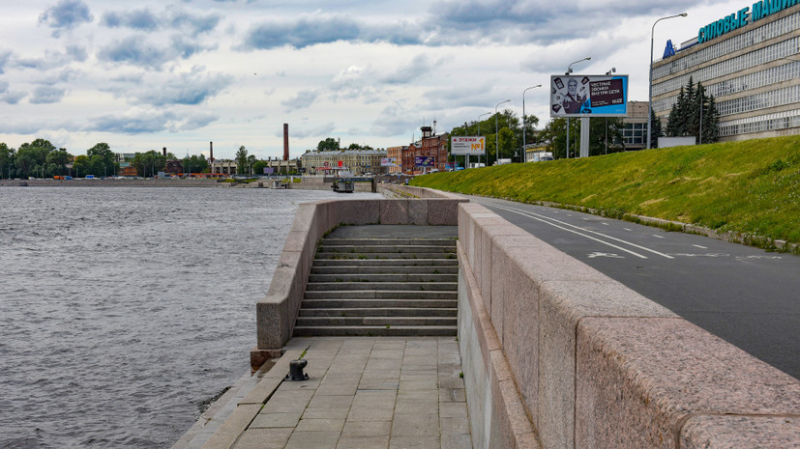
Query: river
column 124, row 310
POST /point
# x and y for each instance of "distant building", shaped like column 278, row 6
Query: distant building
column 174, row 166
column 634, row 132
column 430, row 146
column 395, row 153
column 357, row 161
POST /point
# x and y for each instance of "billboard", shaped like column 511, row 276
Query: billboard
column 388, row 162
column 424, row 161
column 594, row 95
column 467, row 145
column 269, row 170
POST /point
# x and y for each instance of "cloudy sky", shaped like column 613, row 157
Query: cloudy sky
column 180, row 73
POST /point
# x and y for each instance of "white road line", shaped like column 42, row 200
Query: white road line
column 701, row 247
column 604, row 223
column 658, row 236
column 544, row 218
column 626, row 229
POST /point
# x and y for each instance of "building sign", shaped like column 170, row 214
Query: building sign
column 388, row 162
column 467, row 145
column 595, row 95
column 741, row 18
column 269, row 170
column 424, row 161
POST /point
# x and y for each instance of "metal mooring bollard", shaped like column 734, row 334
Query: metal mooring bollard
column 296, row 370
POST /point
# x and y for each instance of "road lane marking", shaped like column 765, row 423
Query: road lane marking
column 534, row 215
column 626, row 229
column 700, row 246
column 545, row 218
column 609, row 255
column 604, row 223
column 658, row 236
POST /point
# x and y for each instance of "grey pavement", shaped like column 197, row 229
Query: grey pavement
column 367, row 392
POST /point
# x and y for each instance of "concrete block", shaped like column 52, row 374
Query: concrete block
column 741, row 432
column 272, row 326
column 561, row 306
column 418, row 212
column 443, row 212
column 647, row 375
column 394, row 212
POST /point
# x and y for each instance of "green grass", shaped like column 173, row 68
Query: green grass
column 750, row 187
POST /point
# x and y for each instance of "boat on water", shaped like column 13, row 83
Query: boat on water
column 343, row 181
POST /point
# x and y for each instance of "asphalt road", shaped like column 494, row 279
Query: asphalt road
column 748, row 297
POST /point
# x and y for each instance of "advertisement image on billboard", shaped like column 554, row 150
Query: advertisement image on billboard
column 424, row 161
column 582, row 95
column 467, row 145
column 388, row 162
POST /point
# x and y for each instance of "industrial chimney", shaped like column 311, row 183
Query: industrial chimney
column 164, row 151
column 211, row 156
column 285, row 141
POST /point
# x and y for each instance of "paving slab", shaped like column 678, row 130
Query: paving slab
column 366, row 392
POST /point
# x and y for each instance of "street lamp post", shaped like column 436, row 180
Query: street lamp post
column 650, row 83
column 569, row 70
column 523, row 118
column 479, row 134
column 497, row 136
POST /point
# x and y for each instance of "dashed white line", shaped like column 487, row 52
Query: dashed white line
column 626, row 229
column 657, row 236
column 604, row 223
column 700, row 246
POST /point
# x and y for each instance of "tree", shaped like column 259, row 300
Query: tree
column 242, row 165
column 329, row 144
column 103, row 160
column 605, row 135
column 258, row 167
column 149, row 163
column 685, row 117
column 6, row 157
column 59, row 159
column 195, row 164
column 711, row 122
column 656, row 131
column 82, row 165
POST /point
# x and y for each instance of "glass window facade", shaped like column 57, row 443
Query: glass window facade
column 769, row 122
column 635, row 133
column 723, row 47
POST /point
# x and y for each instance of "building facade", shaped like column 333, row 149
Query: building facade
column 357, row 161
column 430, row 146
column 634, row 130
column 395, row 153
column 749, row 61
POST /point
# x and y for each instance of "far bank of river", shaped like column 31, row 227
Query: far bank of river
column 300, row 183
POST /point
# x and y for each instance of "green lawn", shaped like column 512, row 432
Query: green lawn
column 751, row 187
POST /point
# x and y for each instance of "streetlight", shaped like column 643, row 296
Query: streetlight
column 650, row 84
column 523, row 117
column 497, row 135
column 609, row 73
column 569, row 70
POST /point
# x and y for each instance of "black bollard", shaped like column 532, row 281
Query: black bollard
column 296, row 370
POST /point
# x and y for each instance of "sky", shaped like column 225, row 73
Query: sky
column 182, row 73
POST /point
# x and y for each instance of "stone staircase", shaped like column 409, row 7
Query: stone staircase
column 388, row 287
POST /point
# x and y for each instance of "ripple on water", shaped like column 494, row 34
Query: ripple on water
column 127, row 309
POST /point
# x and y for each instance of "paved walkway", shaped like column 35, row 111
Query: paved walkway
column 364, row 393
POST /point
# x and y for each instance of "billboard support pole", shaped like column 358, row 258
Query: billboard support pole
column 567, row 137
column 584, row 136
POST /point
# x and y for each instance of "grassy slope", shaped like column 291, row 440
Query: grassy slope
column 751, row 187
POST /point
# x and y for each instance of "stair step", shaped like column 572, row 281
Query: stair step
column 390, row 262
column 354, row 269
column 376, row 321
column 385, row 286
column 365, row 331
column 350, row 303
column 383, row 277
column 383, row 255
column 374, row 294
column 391, row 242
column 386, row 249
column 380, row 311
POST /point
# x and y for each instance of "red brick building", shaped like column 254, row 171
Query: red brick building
column 430, row 145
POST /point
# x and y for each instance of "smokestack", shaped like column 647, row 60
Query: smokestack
column 164, row 151
column 211, row 156
column 285, row 141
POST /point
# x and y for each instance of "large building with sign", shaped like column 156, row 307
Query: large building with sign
column 749, row 60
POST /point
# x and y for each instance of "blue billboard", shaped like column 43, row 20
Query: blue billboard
column 424, row 161
column 595, row 95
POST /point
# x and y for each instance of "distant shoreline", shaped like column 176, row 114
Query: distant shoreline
column 114, row 183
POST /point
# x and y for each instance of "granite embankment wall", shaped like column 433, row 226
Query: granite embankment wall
column 558, row 355
column 277, row 312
